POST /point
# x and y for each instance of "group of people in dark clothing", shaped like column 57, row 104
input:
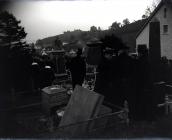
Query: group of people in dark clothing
column 123, row 78
column 120, row 77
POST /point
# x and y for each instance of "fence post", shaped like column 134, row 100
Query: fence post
column 126, row 111
column 13, row 97
column 166, row 104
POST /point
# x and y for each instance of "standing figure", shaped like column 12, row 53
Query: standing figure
column 77, row 68
column 103, row 84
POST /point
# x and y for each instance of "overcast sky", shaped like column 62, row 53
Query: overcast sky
column 47, row 18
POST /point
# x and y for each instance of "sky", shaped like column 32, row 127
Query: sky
column 48, row 18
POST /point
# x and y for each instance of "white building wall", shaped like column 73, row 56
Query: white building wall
column 166, row 39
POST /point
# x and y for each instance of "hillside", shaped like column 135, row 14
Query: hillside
column 127, row 33
column 69, row 37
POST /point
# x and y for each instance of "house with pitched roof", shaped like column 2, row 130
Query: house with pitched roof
column 163, row 15
column 127, row 33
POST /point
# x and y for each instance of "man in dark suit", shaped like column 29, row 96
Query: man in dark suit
column 77, row 68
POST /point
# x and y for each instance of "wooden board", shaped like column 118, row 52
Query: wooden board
column 83, row 105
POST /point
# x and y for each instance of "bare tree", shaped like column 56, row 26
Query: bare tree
column 147, row 13
column 150, row 9
column 155, row 3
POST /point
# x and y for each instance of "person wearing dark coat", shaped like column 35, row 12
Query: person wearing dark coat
column 77, row 68
column 144, row 107
column 122, row 77
column 104, row 81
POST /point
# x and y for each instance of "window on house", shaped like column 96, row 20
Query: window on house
column 165, row 29
column 165, row 12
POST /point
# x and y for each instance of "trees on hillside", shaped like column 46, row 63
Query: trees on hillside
column 115, row 25
column 93, row 29
column 114, row 43
column 125, row 21
column 99, row 29
column 58, row 43
column 39, row 43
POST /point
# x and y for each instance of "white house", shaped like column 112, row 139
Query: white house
column 163, row 14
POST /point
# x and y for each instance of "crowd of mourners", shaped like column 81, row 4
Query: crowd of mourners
column 120, row 77
column 123, row 77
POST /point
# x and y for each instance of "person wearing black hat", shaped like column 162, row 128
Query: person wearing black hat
column 77, row 68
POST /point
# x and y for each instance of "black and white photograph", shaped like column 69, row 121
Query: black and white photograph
column 99, row 69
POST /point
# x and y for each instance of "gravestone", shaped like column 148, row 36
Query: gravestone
column 83, row 105
column 57, row 57
column 154, row 42
column 53, row 96
column 154, row 49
